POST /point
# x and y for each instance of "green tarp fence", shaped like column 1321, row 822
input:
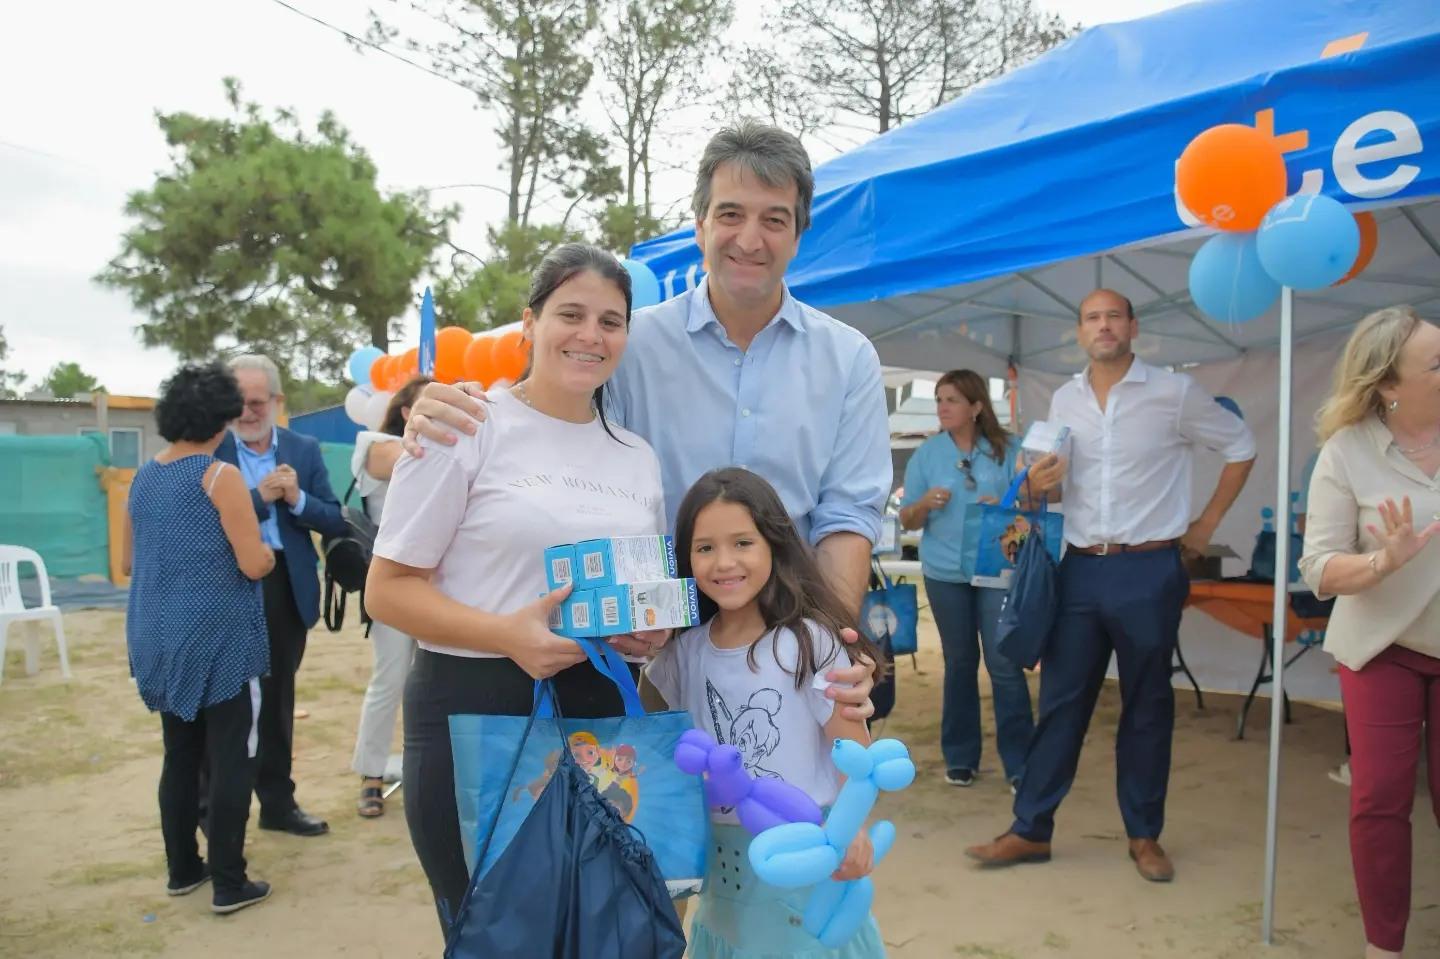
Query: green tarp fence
column 337, row 463
column 51, row 501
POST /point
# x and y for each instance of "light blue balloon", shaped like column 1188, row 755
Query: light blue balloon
column 644, row 285
column 1308, row 242
column 1227, row 280
column 361, row 361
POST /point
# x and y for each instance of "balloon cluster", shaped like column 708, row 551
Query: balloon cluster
column 489, row 358
column 1232, row 177
column 759, row 804
column 805, row 854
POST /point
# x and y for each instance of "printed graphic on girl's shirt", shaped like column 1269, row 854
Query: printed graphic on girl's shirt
column 752, row 729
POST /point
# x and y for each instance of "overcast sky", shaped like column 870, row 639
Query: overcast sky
column 81, row 82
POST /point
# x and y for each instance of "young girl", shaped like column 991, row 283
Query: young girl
column 752, row 676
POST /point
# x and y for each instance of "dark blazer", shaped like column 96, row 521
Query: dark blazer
column 321, row 514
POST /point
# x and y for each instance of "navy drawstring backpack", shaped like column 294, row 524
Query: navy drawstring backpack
column 575, row 882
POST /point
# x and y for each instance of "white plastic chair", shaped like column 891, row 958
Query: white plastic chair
column 13, row 609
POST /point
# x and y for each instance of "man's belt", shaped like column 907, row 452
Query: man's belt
column 1106, row 549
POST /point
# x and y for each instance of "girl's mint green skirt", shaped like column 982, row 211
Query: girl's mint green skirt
column 739, row 917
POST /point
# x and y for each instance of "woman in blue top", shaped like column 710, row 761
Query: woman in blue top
column 195, row 629
column 971, row 460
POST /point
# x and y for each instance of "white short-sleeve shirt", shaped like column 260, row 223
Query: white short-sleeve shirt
column 779, row 730
column 482, row 512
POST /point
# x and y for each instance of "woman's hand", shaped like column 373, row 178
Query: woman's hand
column 647, row 643
column 859, row 859
column 1046, row 473
column 441, row 411
column 936, row 498
column 1399, row 540
column 531, row 644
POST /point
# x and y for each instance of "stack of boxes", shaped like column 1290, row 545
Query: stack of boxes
column 624, row 584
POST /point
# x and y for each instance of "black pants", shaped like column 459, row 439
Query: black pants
column 439, row 686
column 273, row 785
column 221, row 737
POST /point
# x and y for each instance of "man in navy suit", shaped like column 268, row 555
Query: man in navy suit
column 291, row 490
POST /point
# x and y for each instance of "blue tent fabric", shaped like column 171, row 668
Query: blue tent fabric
column 329, row 425
column 1073, row 153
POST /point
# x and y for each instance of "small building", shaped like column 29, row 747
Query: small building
column 126, row 422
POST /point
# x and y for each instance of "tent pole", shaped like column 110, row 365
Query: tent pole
column 1281, row 613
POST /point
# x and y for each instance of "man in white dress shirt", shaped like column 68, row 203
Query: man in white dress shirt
column 1122, row 584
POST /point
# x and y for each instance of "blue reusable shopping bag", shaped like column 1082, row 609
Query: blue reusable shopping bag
column 576, row 881
column 995, row 533
column 629, row 758
column 1027, row 614
column 890, row 613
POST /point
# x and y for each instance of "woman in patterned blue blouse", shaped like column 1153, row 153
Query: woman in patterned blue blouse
column 196, row 629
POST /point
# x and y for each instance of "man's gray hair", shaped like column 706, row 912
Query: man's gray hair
column 771, row 155
column 255, row 361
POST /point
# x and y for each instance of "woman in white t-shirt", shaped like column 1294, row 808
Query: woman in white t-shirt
column 459, row 560
column 372, row 465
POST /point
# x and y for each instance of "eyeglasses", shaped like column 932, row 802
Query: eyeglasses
column 258, row 405
column 964, row 467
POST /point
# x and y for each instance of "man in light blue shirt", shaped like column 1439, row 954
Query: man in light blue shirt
column 737, row 372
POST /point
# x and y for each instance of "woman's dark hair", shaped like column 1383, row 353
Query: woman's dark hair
column 796, row 591
column 394, row 422
column 973, row 387
column 197, row 402
column 558, row 267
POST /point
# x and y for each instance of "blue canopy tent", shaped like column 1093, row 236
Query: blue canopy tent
column 968, row 236
column 956, row 230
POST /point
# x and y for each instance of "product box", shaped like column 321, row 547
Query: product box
column 623, row 559
column 1042, row 439
column 559, row 566
column 632, row 607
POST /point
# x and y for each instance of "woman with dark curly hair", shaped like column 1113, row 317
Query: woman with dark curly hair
column 195, row 629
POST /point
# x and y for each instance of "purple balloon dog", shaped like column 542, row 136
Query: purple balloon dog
column 759, row 803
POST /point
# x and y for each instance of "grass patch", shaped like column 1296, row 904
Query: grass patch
column 102, row 873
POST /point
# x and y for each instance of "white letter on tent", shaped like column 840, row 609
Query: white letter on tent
column 1349, row 155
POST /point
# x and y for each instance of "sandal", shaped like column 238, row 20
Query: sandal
column 371, row 803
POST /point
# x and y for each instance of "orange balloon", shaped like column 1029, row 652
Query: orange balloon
column 478, row 359
column 1230, row 176
column 380, row 371
column 450, row 345
column 1369, row 240
column 512, row 354
column 409, row 366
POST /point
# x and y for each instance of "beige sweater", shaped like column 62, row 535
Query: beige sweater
column 1358, row 468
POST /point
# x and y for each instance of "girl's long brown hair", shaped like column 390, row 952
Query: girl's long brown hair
column 796, row 591
column 973, row 387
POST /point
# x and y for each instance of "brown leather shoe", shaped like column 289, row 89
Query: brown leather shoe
column 1151, row 861
column 1009, row 849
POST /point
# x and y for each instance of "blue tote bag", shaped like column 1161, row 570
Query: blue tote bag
column 576, row 881
column 996, row 532
column 629, row 759
column 890, row 613
column 1028, row 612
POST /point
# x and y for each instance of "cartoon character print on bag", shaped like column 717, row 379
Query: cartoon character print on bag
column 614, row 772
column 750, row 729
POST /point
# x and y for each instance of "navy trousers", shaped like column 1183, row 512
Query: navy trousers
column 1128, row 603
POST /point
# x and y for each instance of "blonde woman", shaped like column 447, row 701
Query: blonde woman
column 1374, row 510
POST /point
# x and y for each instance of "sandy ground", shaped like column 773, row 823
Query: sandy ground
column 83, row 863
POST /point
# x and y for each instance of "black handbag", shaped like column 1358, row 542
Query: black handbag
column 347, row 563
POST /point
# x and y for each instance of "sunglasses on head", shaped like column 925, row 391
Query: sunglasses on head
column 964, row 467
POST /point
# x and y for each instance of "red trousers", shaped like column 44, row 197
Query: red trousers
column 1388, row 704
